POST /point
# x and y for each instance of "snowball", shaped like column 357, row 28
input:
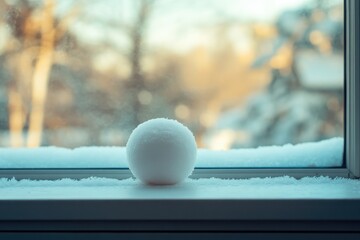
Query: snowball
column 161, row 151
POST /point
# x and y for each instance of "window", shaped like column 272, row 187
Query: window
column 255, row 218
column 98, row 69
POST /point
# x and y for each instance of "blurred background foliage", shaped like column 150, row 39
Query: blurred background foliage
column 238, row 73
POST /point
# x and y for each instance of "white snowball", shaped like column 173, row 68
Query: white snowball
column 161, row 151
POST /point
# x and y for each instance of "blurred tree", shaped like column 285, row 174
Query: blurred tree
column 36, row 32
column 304, row 100
column 19, row 59
column 41, row 73
column 137, row 38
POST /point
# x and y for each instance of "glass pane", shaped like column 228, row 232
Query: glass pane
column 238, row 73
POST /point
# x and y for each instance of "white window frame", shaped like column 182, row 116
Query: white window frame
column 203, row 218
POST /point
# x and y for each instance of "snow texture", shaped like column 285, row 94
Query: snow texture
column 326, row 153
column 161, row 151
column 213, row 188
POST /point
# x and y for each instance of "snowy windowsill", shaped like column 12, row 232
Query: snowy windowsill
column 327, row 153
column 212, row 198
column 213, row 188
column 101, row 199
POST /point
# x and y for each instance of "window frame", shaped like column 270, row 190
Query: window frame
column 351, row 168
column 352, row 87
column 202, row 218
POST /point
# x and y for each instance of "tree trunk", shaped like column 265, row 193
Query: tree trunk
column 19, row 89
column 41, row 75
column 16, row 118
column 137, row 38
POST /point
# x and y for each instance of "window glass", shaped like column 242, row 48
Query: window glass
column 238, row 73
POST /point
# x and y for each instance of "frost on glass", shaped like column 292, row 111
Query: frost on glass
column 238, row 73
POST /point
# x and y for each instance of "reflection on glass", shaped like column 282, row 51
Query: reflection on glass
column 238, row 73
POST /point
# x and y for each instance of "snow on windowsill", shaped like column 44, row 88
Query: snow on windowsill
column 255, row 188
column 326, row 153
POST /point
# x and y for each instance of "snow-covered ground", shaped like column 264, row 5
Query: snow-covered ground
column 327, row 153
column 104, row 188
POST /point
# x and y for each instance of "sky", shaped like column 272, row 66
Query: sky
column 173, row 23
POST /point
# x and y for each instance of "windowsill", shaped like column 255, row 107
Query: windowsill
column 212, row 200
column 277, row 208
column 213, row 188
